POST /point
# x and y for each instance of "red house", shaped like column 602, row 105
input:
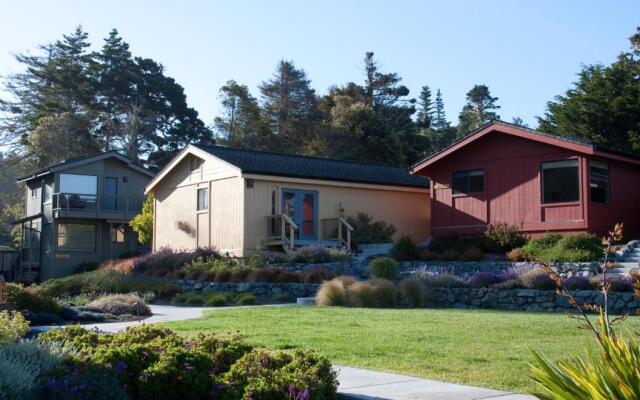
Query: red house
column 508, row 173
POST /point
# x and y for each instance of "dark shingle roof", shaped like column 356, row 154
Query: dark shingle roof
column 289, row 165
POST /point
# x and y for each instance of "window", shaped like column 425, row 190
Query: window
column 599, row 181
column 78, row 184
column 117, row 234
column 203, row 199
column 76, row 237
column 468, row 181
column 560, row 181
column 196, row 163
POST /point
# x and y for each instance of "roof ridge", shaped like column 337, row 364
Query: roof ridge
column 302, row 156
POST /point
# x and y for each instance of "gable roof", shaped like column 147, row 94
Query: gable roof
column 571, row 143
column 295, row 166
column 78, row 161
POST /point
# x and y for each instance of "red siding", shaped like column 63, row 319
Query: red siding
column 512, row 190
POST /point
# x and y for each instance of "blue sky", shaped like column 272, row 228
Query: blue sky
column 525, row 51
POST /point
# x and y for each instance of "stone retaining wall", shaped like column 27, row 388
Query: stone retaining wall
column 472, row 267
column 525, row 299
column 259, row 289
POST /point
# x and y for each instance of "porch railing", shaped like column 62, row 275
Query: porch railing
column 282, row 228
column 336, row 229
column 128, row 205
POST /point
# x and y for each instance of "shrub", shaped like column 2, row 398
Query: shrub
column 22, row 366
column 311, row 254
column 472, row 254
column 405, row 249
column 616, row 283
column 449, row 255
column 216, row 300
column 13, row 326
column 502, row 237
column 85, row 266
column 155, row 363
column 30, row 298
column 578, row 283
column 509, row 284
column 361, row 294
column 367, row 231
column 516, row 255
column 245, row 299
column 119, row 304
column 553, row 247
column 171, row 260
column 87, row 385
column 427, row 254
column 384, row 268
column 411, row 292
column 537, row 278
column 485, row 279
column 334, row 292
column 442, row 280
column 211, row 264
column 260, row 375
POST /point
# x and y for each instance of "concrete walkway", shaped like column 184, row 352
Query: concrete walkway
column 355, row 383
column 158, row 314
column 362, row 384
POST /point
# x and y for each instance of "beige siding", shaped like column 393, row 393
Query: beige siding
column 177, row 222
column 408, row 211
column 227, row 213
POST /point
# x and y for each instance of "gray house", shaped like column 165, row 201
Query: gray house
column 78, row 211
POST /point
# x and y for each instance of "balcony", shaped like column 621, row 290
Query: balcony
column 91, row 206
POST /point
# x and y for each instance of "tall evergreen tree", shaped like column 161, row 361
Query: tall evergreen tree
column 440, row 118
column 426, row 111
column 242, row 124
column 289, row 105
column 481, row 108
column 603, row 105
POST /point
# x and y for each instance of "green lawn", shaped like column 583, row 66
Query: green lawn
column 483, row 348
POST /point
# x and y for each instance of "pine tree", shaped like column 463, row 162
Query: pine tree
column 440, row 119
column 481, row 108
column 426, row 111
column 289, row 106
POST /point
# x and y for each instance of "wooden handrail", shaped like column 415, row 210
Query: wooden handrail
column 290, row 221
column 346, row 224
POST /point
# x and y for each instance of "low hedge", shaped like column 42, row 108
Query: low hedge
column 152, row 363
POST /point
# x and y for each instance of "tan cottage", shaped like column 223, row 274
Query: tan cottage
column 236, row 199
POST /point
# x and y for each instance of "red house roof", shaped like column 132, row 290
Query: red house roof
column 569, row 143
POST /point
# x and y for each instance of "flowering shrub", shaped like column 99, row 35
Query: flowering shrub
column 616, row 283
column 154, row 363
column 579, row 283
column 432, row 279
column 485, row 279
column 13, row 326
column 171, row 260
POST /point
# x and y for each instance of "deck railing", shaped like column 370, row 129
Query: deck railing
column 282, row 228
column 336, row 229
column 129, row 205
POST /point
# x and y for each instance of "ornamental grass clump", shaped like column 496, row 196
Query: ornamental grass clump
column 411, row 292
column 120, row 304
column 334, row 292
column 345, row 291
column 610, row 369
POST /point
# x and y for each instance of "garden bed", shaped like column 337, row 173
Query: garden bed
column 263, row 290
column 464, row 268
